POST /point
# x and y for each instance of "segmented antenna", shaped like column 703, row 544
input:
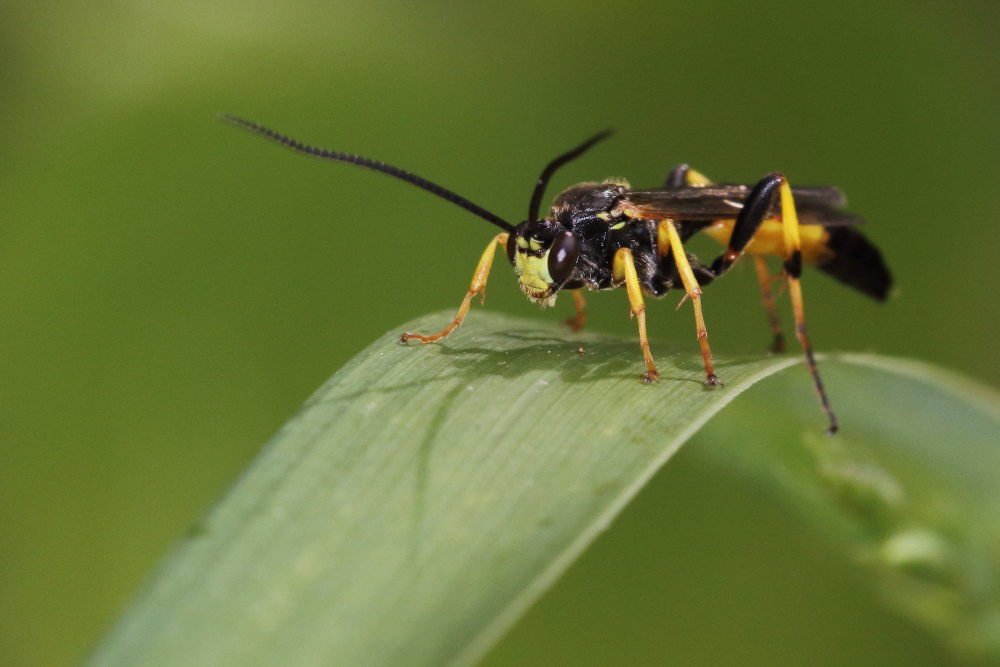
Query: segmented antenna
column 551, row 167
column 401, row 174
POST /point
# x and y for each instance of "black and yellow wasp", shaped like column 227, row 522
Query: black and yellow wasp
column 605, row 235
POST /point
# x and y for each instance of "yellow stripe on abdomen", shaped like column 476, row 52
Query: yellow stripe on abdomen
column 770, row 239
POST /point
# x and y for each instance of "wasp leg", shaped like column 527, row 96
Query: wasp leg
column 477, row 286
column 793, row 269
column 758, row 207
column 682, row 175
column 677, row 176
column 580, row 316
column 623, row 270
column 668, row 240
column 767, row 296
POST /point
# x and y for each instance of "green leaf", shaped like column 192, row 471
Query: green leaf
column 912, row 484
column 427, row 494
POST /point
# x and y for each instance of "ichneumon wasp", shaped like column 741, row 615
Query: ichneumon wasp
column 604, row 235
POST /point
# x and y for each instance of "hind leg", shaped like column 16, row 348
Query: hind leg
column 770, row 194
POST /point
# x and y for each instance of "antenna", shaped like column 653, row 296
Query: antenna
column 551, row 167
column 401, row 174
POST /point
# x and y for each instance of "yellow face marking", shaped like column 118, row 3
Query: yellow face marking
column 522, row 242
column 535, row 245
column 534, row 279
column 618, row 226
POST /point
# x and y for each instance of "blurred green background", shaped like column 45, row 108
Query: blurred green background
column 172, row 289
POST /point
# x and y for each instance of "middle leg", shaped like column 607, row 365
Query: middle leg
column 767, row 296
column 668, row 240
column 580, row 314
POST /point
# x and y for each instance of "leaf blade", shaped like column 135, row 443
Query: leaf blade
column 422, row 499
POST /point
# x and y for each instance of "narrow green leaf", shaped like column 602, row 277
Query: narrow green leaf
column 426, row 495
column 911, row 484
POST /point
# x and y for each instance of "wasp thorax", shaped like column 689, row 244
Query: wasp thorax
column 544, row 254
column 584, row 198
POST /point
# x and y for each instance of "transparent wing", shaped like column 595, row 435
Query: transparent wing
column 816, row 205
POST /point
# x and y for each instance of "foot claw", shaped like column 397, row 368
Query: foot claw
column 649, row 377
column 713, row 381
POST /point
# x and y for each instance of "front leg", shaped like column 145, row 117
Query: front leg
column 477, row 286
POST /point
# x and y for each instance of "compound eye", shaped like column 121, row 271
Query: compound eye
column 562, row 257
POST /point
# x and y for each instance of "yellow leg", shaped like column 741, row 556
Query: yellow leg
column 477, row 286
column 623, row 270
column 793, row 268
column 668, row 229
column 767, row 296
column 580, row 315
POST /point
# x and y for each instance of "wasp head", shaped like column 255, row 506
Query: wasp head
column 544, row 254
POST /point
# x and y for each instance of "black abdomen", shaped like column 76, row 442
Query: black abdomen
column 858, row 263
